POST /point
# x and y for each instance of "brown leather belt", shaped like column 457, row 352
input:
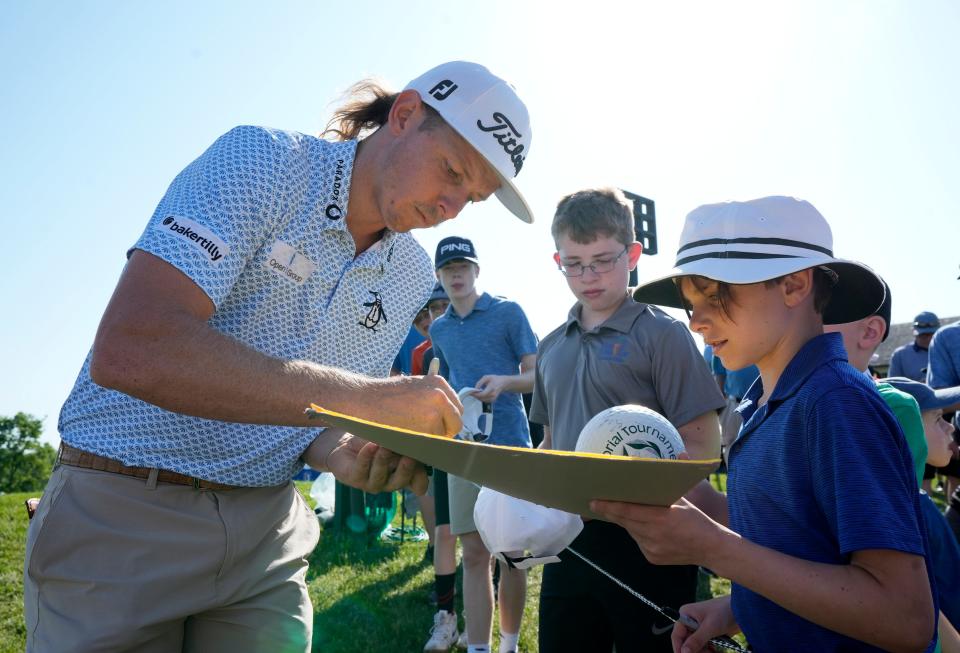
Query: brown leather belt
column 78, row 458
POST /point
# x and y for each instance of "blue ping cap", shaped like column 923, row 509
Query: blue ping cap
column 927, row 397
column 925, row 322
column 453, row 248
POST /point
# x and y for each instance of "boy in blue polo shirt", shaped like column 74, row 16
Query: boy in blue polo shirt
column 812, row 570
column 486, row 343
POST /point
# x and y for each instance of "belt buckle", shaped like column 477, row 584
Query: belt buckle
column 196, row 483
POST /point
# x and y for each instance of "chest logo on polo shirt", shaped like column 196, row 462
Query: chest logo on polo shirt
column 285, row 261
column 615, row 350
column 375, row 312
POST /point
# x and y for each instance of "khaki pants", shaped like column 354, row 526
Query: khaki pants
column 113, row 564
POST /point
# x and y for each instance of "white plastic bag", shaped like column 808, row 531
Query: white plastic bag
column 508, row 526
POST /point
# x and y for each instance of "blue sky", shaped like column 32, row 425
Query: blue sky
column 850, row 105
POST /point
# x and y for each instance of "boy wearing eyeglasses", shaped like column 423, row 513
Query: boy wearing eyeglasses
column 611, row 351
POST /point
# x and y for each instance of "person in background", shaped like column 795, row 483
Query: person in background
column 929, row 443
column 436, row 306
column 943, row 371
column 488, row 345
column 944, row 547
column 911, row 360
column 444, row 633
column 402, row 363
column 411, row 502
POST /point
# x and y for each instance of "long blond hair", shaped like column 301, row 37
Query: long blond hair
column 366, row 110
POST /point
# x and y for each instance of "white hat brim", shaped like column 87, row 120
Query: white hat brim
column 858, row 293
column 509, row 195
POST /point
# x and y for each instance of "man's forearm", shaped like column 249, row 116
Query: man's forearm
column 194, row 369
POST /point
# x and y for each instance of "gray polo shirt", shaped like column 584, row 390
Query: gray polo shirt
column 640, row 355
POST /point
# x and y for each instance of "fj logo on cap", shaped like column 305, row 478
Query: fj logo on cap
column 198, row 235
column 507, row 135
column 442, row 90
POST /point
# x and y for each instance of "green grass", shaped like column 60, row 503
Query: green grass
column 367, row 596
column 13, row 537
column 372, row 597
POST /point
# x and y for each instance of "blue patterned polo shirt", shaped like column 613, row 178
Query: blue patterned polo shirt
column 258, row 223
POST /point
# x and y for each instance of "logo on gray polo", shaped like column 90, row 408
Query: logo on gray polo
column 197, row 235
column 506, row 134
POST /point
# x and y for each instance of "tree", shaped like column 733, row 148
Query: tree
column 25, row 462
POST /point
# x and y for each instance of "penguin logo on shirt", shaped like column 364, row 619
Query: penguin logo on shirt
column 375, row 312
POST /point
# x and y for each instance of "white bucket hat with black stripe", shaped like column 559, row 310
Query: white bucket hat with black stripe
column 759, row 240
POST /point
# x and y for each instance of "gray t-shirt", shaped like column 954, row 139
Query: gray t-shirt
column 640, row 355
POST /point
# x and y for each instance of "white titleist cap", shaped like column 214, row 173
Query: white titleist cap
column 487, row 112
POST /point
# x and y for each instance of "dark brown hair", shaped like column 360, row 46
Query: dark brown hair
column 824, row 279
column 588, row 214
column 366, row 110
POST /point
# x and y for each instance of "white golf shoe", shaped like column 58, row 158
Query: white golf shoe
column 443, row 634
